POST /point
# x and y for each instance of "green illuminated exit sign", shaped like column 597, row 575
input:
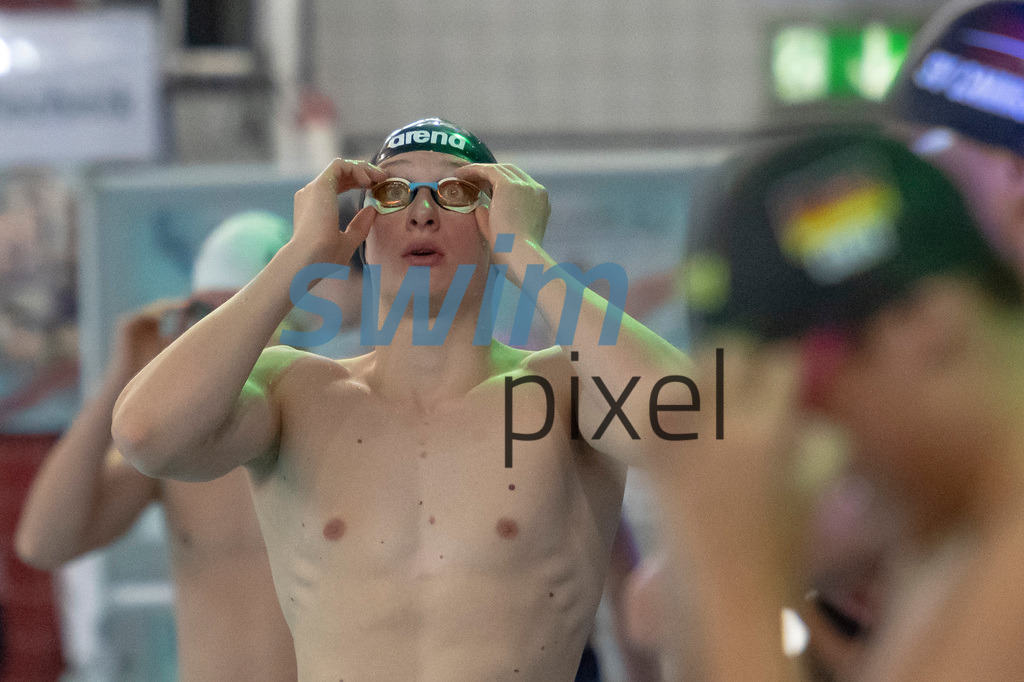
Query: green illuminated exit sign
column 811, row 62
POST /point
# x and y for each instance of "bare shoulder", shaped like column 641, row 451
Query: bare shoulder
column 295, row 383
column 518, row 365
column 553, row 366
column 283, row 369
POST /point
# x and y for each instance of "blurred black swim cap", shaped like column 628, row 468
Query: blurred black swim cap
column 824, row 232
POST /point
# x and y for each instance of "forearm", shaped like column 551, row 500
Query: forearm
column 187, row 394
column 636, row 361
column 646, row 349
column 737, row 585
column 740, row 613
column 55, row 522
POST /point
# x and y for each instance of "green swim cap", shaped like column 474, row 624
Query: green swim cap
column 238, row 249
column 435, row 135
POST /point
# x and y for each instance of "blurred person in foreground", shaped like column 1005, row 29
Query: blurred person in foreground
column 847, row 555
column 402, row 545
column 959, row 103
column 850, row 290
column 230, row 626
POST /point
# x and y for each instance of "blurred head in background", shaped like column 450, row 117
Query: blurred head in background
column 959, row 102
column 868, row 257
column 230, row 257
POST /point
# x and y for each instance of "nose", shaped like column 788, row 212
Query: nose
column 423, row 210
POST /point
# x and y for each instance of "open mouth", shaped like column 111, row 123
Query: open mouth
column 423, row 254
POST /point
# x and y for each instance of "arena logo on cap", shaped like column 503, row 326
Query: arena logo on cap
column 433, row 137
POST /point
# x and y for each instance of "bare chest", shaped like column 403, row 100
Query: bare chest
column 369, row 485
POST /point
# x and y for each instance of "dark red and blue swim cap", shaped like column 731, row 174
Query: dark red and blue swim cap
column 966, row 72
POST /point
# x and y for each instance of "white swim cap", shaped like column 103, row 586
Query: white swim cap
column 237, row 249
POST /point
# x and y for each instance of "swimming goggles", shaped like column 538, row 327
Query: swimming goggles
column 176, row 321
column 451, row 194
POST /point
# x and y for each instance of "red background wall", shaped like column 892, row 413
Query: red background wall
column 31, row 633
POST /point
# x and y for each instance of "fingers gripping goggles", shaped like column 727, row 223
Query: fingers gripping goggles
column 451, row 194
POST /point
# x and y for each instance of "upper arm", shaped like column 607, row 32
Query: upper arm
column 625, row 417
column 252, row 430
column 586, row 406
column 124, row 494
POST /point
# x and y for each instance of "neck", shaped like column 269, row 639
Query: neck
column 421, row 373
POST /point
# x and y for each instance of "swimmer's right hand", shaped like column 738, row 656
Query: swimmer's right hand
column 316, row 211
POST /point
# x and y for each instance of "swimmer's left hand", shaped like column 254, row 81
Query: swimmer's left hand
column 519, row 204
column 138, row 339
